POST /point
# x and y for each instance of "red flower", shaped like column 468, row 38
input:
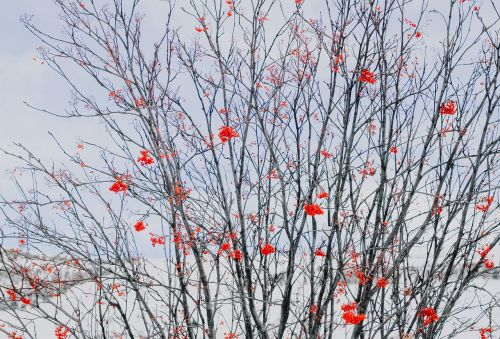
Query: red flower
column 485, row 207
column 322, row 195
column 313, row 209
column 418, row 35
column 349, row 307
column 180, row 194
column 140, row 226
column 313, row 309
column 139, row 103
column 201, row 29
column 448, row 108
column 118, row 186
column 25, row 301
column 351, row 318
column 368, row 170
column 393, row 149
column 11, row 294
column 13, row 335
column 236, row 255
column 226, row 133
column 325, row 154
column 367, row 76
column 338, row 60
column 489, row 264
column 225, row 247
column 362, row 278
column 382, row 283
column 437, row 210
column 429, row 315
column 156, row 240
column 177, row 239
column 319, row 253
column 267, row 249
column 145, row 159
column 483, row 252
column 483, row 331
column 62, row 332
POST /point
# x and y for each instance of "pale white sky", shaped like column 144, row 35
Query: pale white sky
column 23, row 79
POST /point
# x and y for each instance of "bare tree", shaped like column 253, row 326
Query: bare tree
column 301, row 178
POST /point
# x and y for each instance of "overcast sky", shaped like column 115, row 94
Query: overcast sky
column 25, row 79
